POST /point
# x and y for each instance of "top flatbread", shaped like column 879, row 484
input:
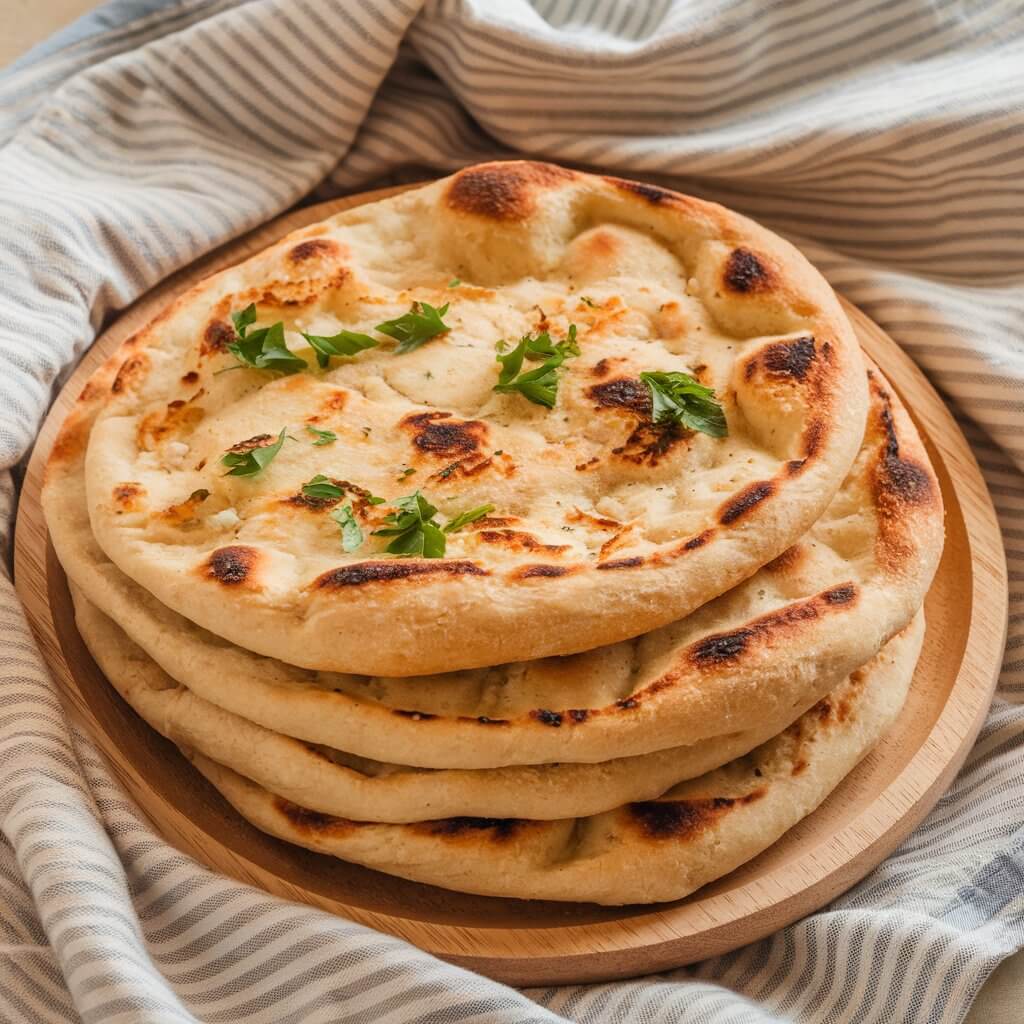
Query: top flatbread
column 604, row 525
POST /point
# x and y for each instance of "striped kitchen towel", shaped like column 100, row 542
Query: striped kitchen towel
column 885, row 136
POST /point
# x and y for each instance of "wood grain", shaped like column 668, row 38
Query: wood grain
column 536, row 943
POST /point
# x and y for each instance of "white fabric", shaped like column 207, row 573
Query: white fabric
column 884, row 136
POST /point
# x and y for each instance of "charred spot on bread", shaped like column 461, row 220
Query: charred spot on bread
column 126, row 496
column 547, row 717
column 621, row 563
column 499, row 828
column 698, row 540
column 252, row 443
column 649, row 193
column 790, row 358
column 748, row 499
column 728, row 647
column 216, row 337
column 231, row 565
column 722, row 646
column 440, row 435
column 503, row 191
column 306, row 820
column 622, row 393
column 901, row 479
column 541, row 571
column 745, row 272
column 843, row 594
column 313, row 248
column 363, row 573
column 680, row 819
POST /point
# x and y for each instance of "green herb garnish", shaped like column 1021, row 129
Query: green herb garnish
column 539, row 386
column 264, row 348
column 322, row 488
column 244, row 320
column 588, row 301
column 351, row 533
column 344, row 343
column 414, row 529
column 454, row 283
column 322, row 436
column 465, row 518
column 678, row 398
column 419, row 325
column 247, row 458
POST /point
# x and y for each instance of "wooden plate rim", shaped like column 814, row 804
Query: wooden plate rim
column 650, row 940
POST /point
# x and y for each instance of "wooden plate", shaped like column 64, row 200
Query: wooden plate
column 534, row 943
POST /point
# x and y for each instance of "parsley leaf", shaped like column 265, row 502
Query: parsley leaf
column 264, row 348
column 351, row 533
column 322, row 436
column 344, row 343
column 244, row 319
column 416, row 531
column 467, row 517
column 322, row 488
column 539, row 386
column 678, row 398
column 247, row 458
column 419, row 325
column 413, row 528
column 454, row 283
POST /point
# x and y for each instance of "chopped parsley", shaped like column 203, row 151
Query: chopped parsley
column 322, row 488
column 415, row 532
column 247, row 458
column 587, row 300
column 351, row 532
column 416, row 327
column 678, row 398
column 467, row 517
column 540, row 385
column 322, row 436
column 344, row 343
column 454, row 283
column 263, row 348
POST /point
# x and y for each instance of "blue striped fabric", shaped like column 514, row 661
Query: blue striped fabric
column 885, row 136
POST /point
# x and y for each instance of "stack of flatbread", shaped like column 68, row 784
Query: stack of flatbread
column 531, row 534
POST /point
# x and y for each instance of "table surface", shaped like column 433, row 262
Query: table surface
column 27, row 22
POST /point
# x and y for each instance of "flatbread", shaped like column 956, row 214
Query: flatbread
column 604, row 526
column 769, row 648
column 337, row 783
column 642, row 853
